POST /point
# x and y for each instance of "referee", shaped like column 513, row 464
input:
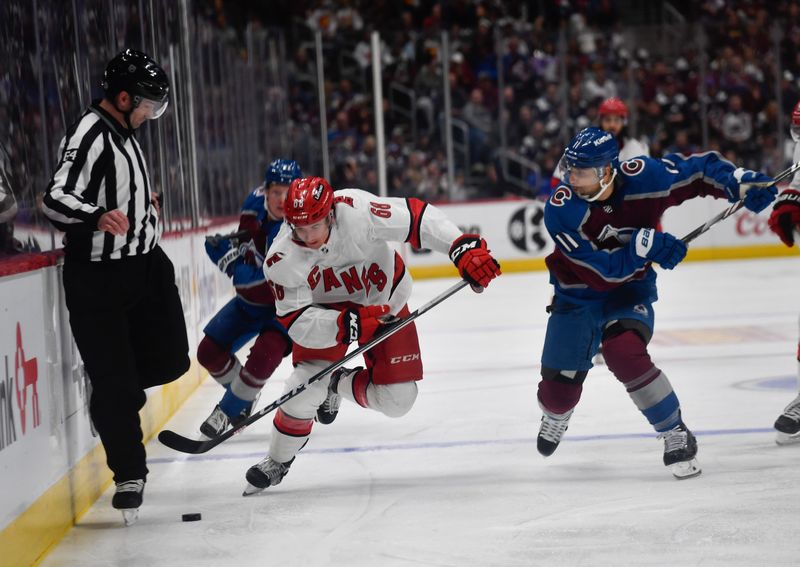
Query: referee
column 124, row 309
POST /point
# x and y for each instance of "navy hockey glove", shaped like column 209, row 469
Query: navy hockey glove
column 222, row 253
column 475, row 265
column 754, row 188
column 360, row 324
column 785, row 217
column 659, row 247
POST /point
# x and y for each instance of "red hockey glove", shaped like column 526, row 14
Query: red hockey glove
column 471, row 256
column 785, row 217
column 360, row 324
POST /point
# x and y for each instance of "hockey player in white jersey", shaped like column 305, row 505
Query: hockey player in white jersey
column 785, row 222
column 336, row 280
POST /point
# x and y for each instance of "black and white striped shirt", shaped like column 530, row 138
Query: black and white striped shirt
column 101, row 167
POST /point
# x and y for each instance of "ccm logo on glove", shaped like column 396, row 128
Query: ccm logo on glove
column 475, row 264
column 360, row 324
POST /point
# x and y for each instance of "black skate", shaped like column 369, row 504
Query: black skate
column 216, row 423
column 128, row 499
column 680, row 449
column 265, row 474
column 788, row 424
column 551, row 431
column 329, row 409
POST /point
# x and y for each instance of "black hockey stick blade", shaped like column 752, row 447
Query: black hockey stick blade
column 734, row 208
column 183, row 444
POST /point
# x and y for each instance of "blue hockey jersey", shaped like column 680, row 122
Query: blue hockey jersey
column 594, row 253
column 248, row 274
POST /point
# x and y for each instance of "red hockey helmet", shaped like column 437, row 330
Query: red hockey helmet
column 613, row 107
column 308, row 201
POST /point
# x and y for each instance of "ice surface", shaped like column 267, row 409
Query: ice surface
column 458, row 482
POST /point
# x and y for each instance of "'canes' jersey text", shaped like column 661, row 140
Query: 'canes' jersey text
column 356, row 266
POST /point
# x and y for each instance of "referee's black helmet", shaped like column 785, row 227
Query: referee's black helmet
column 138, row 74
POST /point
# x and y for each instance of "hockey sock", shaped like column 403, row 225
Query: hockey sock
column 232, row 405
column 627, row 357
column 354, row 387
column 289, row 435
column 219, row 362
column 264, row 358
column 558, row 398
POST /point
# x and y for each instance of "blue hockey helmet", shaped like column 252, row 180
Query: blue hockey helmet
column 282, row 171
column 592, row 147
column 585, row 159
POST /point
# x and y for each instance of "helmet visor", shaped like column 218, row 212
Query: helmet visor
column 153, row 109
column 580, row 176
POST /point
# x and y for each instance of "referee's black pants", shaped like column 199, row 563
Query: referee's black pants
column 127, row 320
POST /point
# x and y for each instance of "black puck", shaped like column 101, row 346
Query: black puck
column 191, row 517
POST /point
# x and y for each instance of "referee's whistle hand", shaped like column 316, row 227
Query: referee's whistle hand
column 114, row 222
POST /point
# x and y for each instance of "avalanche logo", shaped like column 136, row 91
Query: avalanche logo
column 632, row 167
column 560, row 196
column 526, row 228
column 613, row 236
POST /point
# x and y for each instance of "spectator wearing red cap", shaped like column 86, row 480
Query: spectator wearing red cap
column 613, row 113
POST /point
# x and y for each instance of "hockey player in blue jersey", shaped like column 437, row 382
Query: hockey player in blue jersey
column 251, row 314
column 603, row 220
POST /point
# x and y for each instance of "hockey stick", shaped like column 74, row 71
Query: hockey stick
column 186, row 445
column 733, row 209
column 213, row 239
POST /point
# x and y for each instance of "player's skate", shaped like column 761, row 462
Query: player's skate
column 329, row 409
column 788, row 424
column 128, row 498
column 680, row 449
column 265, row 474
column 216, row 423
column 551, row 431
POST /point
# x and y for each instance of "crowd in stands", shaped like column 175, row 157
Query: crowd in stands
column 524, row 75
column 728, row 62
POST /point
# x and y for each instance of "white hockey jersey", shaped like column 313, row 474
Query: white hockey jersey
column 355, row 266
column 631, row 148
column 795, row 182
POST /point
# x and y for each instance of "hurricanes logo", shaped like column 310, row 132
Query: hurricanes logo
column 633, row 166
column 560, row 195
